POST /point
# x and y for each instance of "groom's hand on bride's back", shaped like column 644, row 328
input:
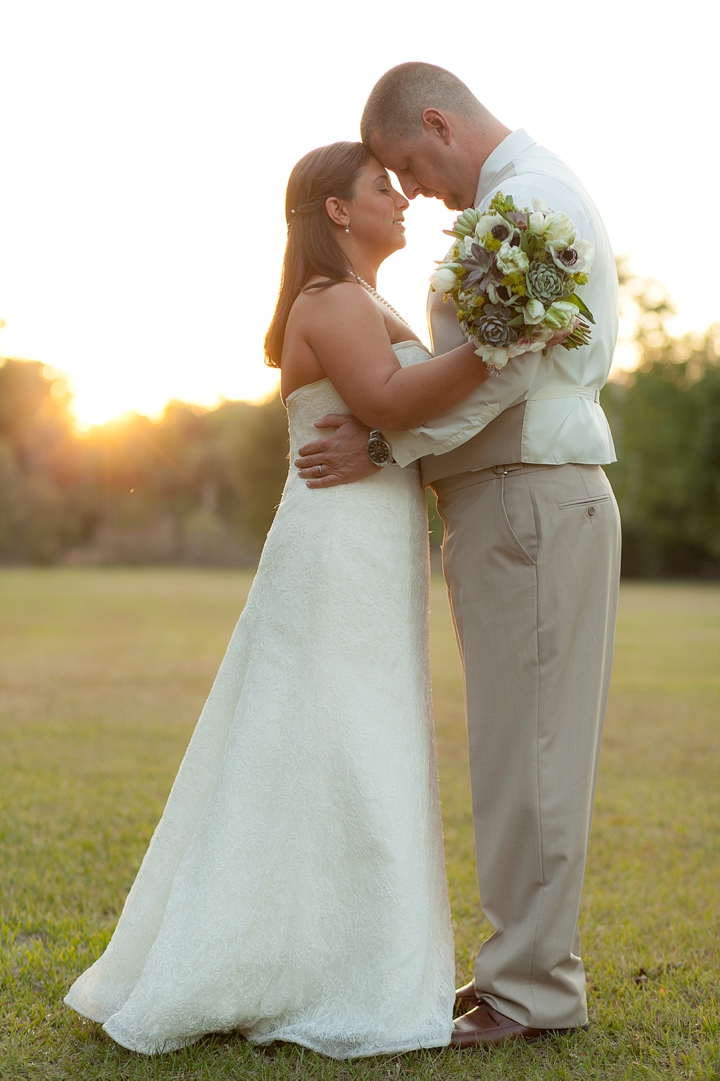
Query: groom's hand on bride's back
column 340, row 457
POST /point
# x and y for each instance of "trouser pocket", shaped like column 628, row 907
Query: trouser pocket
column 585, row 502
column 519, row 516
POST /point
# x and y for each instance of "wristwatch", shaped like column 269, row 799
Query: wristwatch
column 379, row 450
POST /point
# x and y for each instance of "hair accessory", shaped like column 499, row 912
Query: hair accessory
column 307, row 208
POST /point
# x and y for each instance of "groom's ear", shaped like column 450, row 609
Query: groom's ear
column 437, row 125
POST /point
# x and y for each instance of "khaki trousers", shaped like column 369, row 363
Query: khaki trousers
column 531, row 558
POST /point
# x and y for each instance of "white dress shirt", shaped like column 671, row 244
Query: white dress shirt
column 563, row 421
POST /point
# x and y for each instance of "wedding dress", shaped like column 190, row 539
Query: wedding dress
column 294, row 888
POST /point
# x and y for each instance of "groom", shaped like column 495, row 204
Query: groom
column 531, row 559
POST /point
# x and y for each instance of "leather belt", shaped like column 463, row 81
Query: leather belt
column 479, row 476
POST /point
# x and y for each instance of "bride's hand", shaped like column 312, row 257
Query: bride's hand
column 342, row 454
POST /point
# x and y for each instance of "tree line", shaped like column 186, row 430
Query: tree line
column 665, row 420
column 200, row 486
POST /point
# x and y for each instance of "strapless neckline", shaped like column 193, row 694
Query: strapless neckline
column 325, row 379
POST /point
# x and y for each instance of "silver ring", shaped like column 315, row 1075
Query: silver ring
column 319, row 470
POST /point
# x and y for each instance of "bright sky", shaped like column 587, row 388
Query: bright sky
column 146, row 147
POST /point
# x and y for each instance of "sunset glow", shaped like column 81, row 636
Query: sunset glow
column 143, row 224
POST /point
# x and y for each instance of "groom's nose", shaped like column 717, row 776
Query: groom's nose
column 409, row 185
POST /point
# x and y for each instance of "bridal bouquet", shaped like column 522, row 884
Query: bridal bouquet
column 513, row 275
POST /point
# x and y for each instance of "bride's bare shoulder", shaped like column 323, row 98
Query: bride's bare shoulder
column 322, row 294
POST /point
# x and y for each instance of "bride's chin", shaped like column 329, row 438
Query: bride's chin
column 397, row 242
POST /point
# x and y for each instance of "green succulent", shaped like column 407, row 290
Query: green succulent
column 545, row 281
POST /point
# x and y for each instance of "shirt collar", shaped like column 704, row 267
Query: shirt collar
column 511, row 147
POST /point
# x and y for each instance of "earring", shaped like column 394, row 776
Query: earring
column 347, row 227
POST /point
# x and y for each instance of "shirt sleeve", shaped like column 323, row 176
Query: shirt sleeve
column 521, row 377
column 523, row 374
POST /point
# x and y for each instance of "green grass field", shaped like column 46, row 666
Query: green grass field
column 102, row 675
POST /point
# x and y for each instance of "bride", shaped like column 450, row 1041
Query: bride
column 294, row 888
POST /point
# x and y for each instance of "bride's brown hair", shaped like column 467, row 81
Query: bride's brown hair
column 311, row 247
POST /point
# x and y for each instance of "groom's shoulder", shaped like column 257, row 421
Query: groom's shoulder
column 540, row 173
column 544, row 162
column 538, row 165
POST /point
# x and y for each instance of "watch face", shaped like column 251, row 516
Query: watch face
column 378, row 451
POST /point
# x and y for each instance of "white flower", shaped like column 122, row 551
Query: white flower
column 510, row 260
column 495, row 298
column 495, row 356
column 576, row 258
column 558, row 231
column 534, row 312
column 561, row 315
column 541, row 206
column 536, row 221
column 540, row 336
column 443, row 280
column 494, row 224
column 499, row 357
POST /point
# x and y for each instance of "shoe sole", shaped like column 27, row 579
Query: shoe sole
column 544, row 1034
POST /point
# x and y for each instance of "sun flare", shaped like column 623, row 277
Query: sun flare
column 94, row 405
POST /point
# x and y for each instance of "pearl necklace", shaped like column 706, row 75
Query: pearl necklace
column 374, row 292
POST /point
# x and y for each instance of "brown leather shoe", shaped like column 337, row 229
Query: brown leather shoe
column 465, row 997
column 484, row 1025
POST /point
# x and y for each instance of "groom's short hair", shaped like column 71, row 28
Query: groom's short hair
column 399, row 98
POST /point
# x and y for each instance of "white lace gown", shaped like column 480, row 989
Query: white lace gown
column 294, row 888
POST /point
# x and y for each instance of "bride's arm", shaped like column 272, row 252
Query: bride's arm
column 346, row 330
